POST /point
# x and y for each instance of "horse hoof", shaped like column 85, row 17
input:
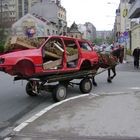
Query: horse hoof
column 109, row 80
column 95, row 84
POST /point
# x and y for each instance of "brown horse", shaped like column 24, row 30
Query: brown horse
column 108, row 61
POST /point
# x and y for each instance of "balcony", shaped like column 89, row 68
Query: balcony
column 134, row 11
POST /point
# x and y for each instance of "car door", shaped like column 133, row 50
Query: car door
column 72, row 53
column 53, row 53
column 87, row 52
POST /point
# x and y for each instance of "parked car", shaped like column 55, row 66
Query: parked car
column 109, row 48
column 57, row 54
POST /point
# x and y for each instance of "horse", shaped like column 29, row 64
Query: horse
column 109, row 61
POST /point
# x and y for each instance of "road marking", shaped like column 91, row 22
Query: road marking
column 134, row 87
column 8, row 138
column 40, row 113
column 21, row 126
column 43, row 111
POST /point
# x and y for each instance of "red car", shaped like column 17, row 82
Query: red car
column 57, row 54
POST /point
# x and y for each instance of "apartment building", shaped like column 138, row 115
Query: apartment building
column 122, row 24
column 53, row 11
column 74, row 32
column 88, row 31
column 12, row 10
column 134, row 15
column 117, row 25
column 7, row 12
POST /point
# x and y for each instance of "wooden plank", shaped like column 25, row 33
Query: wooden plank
column 50, row 54
column 13, row 40
column 53, row 64
column 72, row 57
column 24, row 44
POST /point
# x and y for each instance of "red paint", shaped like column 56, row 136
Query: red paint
column 34, row 57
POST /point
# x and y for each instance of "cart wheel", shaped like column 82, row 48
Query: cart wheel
column 59, row 93
column 29, row 89
column 85, row 85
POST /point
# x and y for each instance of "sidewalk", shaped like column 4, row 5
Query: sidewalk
column 87, row 117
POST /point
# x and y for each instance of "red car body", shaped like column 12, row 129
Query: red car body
column 35, row 62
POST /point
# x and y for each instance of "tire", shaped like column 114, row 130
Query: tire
column 85, row 85
column 29, row 90
column 59, row 93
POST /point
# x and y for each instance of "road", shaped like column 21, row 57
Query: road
column 15, row 105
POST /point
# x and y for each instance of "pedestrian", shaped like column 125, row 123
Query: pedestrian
column 121, row 57
column 116, row 52
column 136, row 55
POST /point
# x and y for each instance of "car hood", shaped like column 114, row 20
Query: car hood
column 29, row 52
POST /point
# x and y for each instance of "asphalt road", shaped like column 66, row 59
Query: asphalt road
column 15, row 105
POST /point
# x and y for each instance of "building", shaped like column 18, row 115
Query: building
column 134, row 11
column 7, row 12
column 33, row 26
column 88, row 31
column 12, row 10
column 122, row 25
column 134, row 15
column 74, row 32
column 104, row 34
column 24, row 6
column 117, row 25
column 52, row 11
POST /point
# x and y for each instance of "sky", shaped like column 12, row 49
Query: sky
column 101, row 13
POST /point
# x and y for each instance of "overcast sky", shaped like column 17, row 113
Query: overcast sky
column 98, row 12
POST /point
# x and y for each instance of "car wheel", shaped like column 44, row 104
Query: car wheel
column 59, row 93
column 85, row 85
column 29, row 89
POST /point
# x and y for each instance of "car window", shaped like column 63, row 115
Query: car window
column 85, row 46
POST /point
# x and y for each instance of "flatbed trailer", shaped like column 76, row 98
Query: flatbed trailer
column 60, row 82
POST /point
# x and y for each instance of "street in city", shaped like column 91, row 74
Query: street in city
column 110, row 111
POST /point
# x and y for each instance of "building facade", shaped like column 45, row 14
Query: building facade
column 134, row 15
column 74, row 32
column 7, row 12
column 88, row 31
column 122, row 25
column 12, row 10
column 106, row 36
column 32, row 26
column 52, row 11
